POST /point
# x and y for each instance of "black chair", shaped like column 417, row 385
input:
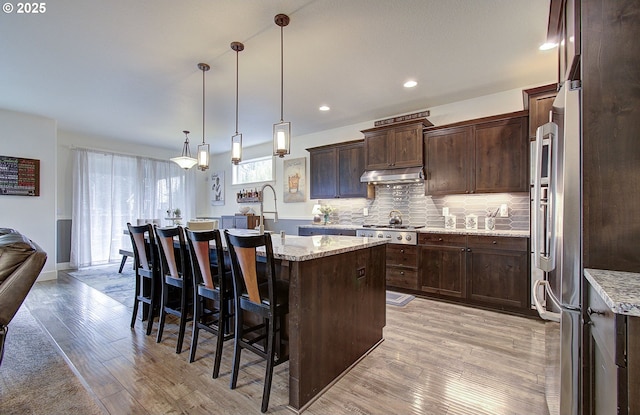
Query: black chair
column 212, row 292
column 257, row 291
column 175, row 274
column 145, row 256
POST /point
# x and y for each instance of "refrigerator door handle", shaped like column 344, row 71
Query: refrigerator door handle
column 544, row 216
column 545, row 314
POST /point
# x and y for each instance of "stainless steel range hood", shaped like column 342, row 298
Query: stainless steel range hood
column 407, row 175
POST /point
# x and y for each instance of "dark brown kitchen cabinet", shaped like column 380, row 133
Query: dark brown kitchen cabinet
column 447, row 155
column 487, row 271
column 613, row 359
column 395, row 146
column 498, row 271
column 486, row 155
column 402, row 266
column 539, row 101
column 442, row 264
column 335, row 171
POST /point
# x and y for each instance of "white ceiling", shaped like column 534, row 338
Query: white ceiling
column 127, row 69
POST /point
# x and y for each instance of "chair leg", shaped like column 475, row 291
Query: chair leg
column 3, row 336
column 236, row 347
column 271, row 352
column 182, row 329
column 152, row 308
column 124, row 260
column 134, row 315
column 222, row 322
column 196, row 329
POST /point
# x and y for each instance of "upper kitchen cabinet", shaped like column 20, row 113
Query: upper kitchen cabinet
column 336, row 170
column 486, row 155
column 539, row 102
column 394, row 146
column 564, row 29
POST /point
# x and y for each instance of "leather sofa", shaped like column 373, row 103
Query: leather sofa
column 21, row 261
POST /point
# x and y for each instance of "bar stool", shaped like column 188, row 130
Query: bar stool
column 175, row 276
column 257, row 291
column 212, row 291
column 147, row 272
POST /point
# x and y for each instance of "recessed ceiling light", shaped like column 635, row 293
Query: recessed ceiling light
column 548, row 45
column 410, row 84
column 324, row 108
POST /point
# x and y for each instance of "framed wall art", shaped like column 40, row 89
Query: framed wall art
column 295, row 180
column 216, row 185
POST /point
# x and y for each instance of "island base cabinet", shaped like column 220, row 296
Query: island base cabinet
column 337, row 313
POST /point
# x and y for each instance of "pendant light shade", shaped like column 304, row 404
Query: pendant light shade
column 281, row 130
column 236, row 139
column 203, row 149
column 185, row 160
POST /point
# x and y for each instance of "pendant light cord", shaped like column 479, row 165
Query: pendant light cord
column 203, row 71
column 281, row 75
column 237, row 92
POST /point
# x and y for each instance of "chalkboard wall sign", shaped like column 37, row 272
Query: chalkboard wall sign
column 19, row 176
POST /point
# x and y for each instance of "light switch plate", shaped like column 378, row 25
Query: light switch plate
column 365, row 212
column 504, row 210
column 445, row 211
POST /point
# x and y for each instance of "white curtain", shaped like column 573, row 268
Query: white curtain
column 110, row 190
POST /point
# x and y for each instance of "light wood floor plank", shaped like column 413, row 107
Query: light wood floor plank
column 437, row 358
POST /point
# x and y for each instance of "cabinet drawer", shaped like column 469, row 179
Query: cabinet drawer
column 603, row 325
column 402, row 278
column 498, row 242
column 441, row 239
column 402, row 255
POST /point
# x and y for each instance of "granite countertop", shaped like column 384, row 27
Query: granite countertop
column 619, row 290
column 305, row 248
column 481, row 232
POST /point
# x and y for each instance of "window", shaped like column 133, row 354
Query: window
column 253, row 171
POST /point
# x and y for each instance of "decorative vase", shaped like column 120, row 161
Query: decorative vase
column 326, row 218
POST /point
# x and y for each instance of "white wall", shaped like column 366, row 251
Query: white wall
column 32, row 136
column 500, row 103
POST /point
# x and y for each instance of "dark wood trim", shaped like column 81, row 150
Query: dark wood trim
column 342, row 143
column 425, row 123
column 482, row 120
column 526, row 93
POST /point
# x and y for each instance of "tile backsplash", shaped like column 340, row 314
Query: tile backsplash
column 420, row 210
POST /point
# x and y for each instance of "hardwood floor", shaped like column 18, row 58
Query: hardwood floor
column 436, row 358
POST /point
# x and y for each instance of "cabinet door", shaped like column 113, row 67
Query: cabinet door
column 323, row 173
column 350, row 168
column 539, row 106
column 498, row 277
column 448, row 161
column 377, row 150
column 407, row 146
column 442, row 270
column 501, row 156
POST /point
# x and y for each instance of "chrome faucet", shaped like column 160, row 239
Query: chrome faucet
column 262, row 212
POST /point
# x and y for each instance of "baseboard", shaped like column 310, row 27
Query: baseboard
column 48, row 275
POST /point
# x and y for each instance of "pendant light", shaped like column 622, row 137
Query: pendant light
column 236, row 140
column 203, row 149
column 281, row 130
column 185, row 160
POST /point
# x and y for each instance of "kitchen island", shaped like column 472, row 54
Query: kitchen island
column 336, row 307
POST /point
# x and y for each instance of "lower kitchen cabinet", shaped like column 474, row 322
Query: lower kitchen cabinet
column 402, row 266
column 442, row 264
column 613, row 359
column 483, row 270
column 498, row 271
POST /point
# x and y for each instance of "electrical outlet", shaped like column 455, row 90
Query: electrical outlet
column 504, row 210
column 365, row 212
column 445, row 211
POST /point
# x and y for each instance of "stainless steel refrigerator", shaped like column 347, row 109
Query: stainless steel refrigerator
column 556, row 223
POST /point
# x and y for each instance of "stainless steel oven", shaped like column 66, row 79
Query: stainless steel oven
column 399, row 234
